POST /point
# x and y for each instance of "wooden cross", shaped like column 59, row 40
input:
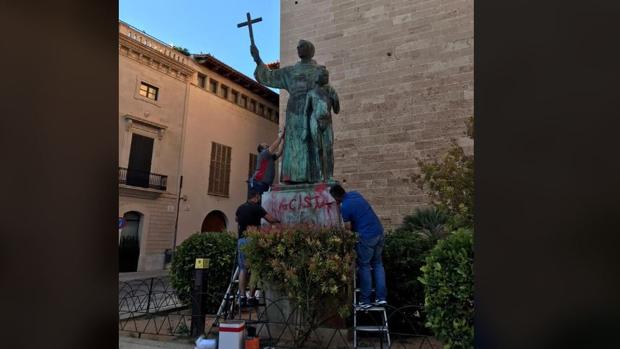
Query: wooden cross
column 249, row 23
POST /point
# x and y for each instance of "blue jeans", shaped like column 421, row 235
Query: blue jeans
column 260, row 187
column 241, row 259
column 369, row 255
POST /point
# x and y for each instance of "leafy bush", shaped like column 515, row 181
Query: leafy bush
column 403, row 256
column 448, row 287
column 450, row 181
column 307, row 263
column 430, row 222
column 182, row 50
column 313, row 266
column 220, row 248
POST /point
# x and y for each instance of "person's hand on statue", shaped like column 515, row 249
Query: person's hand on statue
column 254, row 53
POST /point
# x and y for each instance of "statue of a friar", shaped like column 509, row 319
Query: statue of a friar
column 297, row 80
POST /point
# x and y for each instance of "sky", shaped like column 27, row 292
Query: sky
column 210, row 26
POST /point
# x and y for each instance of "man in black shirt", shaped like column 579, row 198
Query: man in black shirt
column 249, row 214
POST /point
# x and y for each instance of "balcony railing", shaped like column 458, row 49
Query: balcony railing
column 143, row 179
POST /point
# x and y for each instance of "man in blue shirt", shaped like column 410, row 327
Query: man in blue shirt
column 359, row 217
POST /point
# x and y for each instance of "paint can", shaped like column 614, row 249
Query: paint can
column 203, row 343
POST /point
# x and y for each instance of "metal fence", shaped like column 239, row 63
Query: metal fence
column 151, row 306
column 139, row 178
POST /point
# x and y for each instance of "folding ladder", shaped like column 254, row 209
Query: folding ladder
column 230, row 302
column 382, row 328
column 226, row 309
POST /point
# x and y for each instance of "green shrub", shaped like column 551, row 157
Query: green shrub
column 429, row 221
column 306, row 263
column 448, row 287
column 450, row 183
column 313, row 266
column 182, row 50
column 220, row 248
column 403, row 256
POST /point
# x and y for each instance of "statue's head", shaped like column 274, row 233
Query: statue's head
column 305, row 49
column 323, row 77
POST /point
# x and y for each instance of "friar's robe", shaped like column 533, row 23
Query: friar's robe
column 297, row 80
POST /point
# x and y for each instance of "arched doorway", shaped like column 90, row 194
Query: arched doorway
column 129, row 243
column 214, row 221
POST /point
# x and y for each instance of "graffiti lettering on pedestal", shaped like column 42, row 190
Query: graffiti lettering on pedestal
column 297, row 203
column 306, row 205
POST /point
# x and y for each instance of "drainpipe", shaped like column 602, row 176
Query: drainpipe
column 180, row 165
column 176, row 222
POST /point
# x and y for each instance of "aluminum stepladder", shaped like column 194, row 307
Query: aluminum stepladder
column 227, row 306
column 229, row 302
column 383, row 328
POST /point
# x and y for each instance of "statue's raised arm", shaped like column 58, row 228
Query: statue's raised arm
column 264, row 75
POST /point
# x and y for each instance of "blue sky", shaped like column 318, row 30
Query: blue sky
column 210, row 26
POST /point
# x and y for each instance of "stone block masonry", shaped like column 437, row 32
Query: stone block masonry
column 404, row 72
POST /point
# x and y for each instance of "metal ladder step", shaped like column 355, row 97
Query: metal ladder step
column 383, row 329
column 373, row 308
column 372, row 328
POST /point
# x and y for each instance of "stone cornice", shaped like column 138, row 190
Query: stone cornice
column 160, row 128
column 157, row 56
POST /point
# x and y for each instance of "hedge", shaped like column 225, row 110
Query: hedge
column 448, row 287
column 220, row 248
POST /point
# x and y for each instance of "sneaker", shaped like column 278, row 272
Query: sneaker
column 363, row 306
column 381, row 303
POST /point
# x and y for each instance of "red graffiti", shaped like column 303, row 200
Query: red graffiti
column 307, row 201
column 320, row 187
column 315, row 205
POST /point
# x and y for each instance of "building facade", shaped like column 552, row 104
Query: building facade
column 404, row 72
column 229, row 114
column 187, row 127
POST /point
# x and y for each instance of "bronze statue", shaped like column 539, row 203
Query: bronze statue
column 319, row 103
column 297, row 80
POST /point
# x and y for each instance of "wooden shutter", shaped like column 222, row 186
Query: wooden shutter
column 219, row 171
column 212, row 168
column 226, row 179
column 252, row 165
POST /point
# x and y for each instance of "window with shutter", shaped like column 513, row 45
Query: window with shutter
column 252, row 165
column 219, row 171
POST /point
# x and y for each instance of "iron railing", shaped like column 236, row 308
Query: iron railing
column 151, row 307
column 143, row 179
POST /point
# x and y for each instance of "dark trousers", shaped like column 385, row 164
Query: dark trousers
column 260, row 187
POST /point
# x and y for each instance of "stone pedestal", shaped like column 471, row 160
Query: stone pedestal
column 299, row 204
column 302, row 204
